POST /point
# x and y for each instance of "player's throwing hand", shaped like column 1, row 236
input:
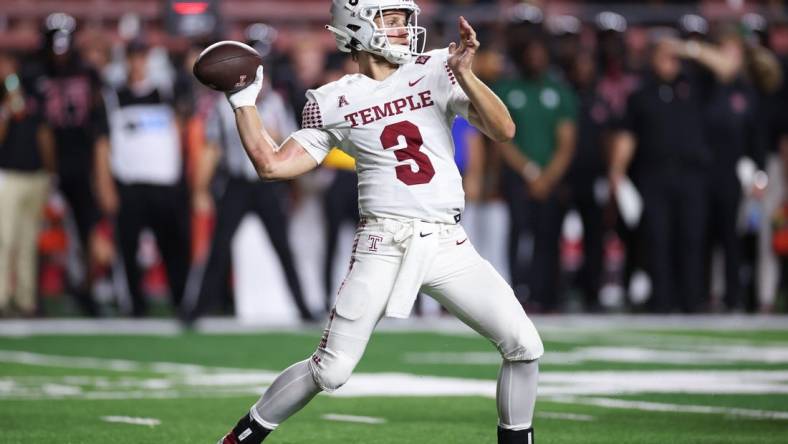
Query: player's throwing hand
column 461, row 57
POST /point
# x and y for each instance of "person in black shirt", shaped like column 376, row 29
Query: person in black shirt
column 73, row 107
column 664, row 141
column 734, row 130
column 616, row 81
column 26, row 148
column 587, row 170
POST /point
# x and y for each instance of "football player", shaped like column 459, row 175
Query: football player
column 395, row 118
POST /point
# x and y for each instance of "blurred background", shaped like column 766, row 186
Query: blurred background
column 646, row 176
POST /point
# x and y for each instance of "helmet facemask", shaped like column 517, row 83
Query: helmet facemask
column 355, row 28
column 381, row 43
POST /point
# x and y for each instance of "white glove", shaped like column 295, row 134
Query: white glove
column 248, row 95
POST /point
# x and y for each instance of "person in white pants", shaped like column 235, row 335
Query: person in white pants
column 395, row 118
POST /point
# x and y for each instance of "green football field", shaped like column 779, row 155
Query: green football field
column 601, row 381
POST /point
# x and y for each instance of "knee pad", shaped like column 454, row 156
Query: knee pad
column 331, row 370
column 523, row 344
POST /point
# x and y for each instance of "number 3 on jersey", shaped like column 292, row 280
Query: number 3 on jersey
column 412, row 150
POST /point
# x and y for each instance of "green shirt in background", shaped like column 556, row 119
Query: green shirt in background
column 537, row 107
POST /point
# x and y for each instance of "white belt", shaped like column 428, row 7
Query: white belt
column 420, row 251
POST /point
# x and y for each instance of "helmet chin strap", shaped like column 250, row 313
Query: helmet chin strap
column 404, row 50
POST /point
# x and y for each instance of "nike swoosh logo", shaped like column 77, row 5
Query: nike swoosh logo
column 424, row 235
column 462, row 241
column 416, row 81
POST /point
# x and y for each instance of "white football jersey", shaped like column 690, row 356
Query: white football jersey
column 399, row 131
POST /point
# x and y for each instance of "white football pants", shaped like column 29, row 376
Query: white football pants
column 383, row 280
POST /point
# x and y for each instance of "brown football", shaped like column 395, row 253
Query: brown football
column 227, row 66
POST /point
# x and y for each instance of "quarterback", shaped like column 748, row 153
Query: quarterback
column 395, row 118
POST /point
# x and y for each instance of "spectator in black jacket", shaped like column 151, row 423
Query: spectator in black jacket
column 662, row 146
column 73, row 107
column 735, row 131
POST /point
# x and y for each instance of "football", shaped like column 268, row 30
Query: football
column 227, row 66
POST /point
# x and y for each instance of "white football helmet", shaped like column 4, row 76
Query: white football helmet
column 353, row 25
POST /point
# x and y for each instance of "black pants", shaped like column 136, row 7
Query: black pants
column 78, row 192
column 673, row 222
column 240, row 197
column 165, row 210
column 539, row 221
column 340, row 204
column 724, row 196
column 584, row 200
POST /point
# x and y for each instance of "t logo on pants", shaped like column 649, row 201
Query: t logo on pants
column 373, row 242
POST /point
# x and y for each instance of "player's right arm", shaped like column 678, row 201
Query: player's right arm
column 272, row 161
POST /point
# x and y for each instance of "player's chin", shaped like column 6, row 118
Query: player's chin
column 398, row 41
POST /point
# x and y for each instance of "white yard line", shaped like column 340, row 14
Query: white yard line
column 19, row 357
column 115, row 365
column 150, row 422
column 564, row 416
column 605, row 383
column 352, row 418
column 32, row 327
column 671, row 408
column 663, row 339
column 679, row 355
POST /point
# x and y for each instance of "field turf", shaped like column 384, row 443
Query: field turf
column 606, row 384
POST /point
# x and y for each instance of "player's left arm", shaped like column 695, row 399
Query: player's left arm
column 486, row 111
